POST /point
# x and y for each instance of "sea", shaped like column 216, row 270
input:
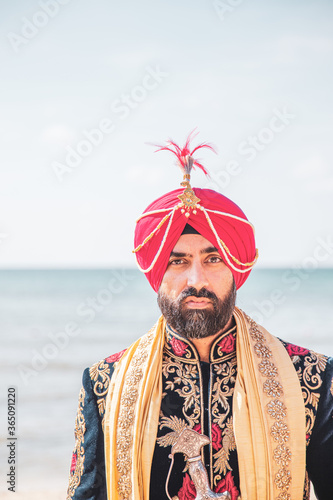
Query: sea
column 55, row 323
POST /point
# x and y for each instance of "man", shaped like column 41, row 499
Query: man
column 205, row 369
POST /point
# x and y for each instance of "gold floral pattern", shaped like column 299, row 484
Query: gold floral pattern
column 283, row 479
column 181, row 374
column 284, row 496
column 282, row 455
column 267, row 368
column 128, row 408
column 221, row 463
column 310, row 369
column 221, row 409
column 100, row 375
column 223, row 390
column 261, row 350
column 275, row 408
column 80, row 429
column 273, row 388
column 280, row 432
column 183, row 377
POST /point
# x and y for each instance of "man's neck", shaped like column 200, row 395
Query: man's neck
column 203, row 345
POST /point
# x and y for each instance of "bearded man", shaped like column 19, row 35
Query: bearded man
column 207, row 404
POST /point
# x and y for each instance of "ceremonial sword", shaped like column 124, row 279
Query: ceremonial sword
column 190, row 442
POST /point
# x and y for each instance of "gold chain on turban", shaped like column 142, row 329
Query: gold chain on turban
column 223, row 247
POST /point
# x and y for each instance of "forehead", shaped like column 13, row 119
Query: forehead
column 189, row 243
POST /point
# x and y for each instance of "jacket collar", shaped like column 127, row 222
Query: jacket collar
column 222, row 349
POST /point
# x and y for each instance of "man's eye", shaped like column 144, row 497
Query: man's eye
column 176, row 262
column 214, row 260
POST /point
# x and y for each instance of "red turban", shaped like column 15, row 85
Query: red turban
column 214, row 216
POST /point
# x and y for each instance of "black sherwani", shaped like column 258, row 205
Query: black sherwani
column 200, row 395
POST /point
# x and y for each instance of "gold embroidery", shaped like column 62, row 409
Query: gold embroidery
column 222, row 392
column 226, row 374
column 80, row 429
column 267, row 368
column 283, row 479
column 262, row 351
column 280, row 432
column 100, row 374
column 309, row 369
column 126, row 416
column 221, row 464
column 276, row 409
column 282, row 455
column 273, row 388
column 310, row 378
column 185, row 376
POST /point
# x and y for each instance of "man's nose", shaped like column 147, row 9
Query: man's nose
column 196, row 276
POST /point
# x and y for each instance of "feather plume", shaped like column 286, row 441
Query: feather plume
column 185, row 154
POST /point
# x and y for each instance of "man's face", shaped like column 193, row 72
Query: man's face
column 198, row 293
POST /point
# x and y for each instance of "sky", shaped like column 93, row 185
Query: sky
column 87, row 87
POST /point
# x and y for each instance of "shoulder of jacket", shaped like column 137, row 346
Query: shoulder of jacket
column 303, row 356
column 98, row 371
column 100, row 374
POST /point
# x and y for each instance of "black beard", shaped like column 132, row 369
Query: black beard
column 197, row 323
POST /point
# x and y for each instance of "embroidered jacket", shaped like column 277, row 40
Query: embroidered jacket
column 199, row 395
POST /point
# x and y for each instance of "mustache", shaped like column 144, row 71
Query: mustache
column 193, row 292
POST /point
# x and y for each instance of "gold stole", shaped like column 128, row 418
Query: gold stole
column 269, row 417
column 131, row 416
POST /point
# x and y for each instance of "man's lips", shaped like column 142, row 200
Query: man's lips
column 197, row 302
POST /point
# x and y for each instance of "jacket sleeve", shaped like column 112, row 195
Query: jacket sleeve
column 320, row 450
column 87, row 472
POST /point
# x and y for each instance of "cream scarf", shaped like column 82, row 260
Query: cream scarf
column 268, row 409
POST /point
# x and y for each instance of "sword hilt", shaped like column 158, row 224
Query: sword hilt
column 190, row 442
